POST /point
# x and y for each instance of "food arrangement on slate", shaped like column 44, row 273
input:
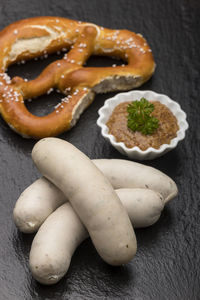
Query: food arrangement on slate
column 103, row 210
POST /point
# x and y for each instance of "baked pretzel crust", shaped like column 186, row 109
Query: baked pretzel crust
column 34, row 37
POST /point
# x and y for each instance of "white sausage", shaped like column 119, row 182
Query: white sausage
column 143, row 206
column 91, row 196
column 62, row 232
column 55, row 243
column 41, row 198
column 129, row 174
column 35, row 204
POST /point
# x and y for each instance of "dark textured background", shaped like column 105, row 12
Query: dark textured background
column 167, row 262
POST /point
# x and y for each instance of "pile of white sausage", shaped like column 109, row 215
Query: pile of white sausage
column 76, row 199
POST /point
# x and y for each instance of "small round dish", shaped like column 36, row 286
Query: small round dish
column 135, row 152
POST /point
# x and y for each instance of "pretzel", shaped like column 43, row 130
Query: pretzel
column 34, row 37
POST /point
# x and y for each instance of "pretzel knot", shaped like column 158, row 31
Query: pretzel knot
column 31, row 38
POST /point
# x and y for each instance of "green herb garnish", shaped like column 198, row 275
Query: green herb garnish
column 139, row 117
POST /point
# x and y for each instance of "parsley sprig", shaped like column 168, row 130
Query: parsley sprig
column 140, row 118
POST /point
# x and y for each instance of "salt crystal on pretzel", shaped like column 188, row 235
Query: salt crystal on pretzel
column 40, row 36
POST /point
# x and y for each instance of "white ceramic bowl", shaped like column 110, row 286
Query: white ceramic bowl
column 135, row 152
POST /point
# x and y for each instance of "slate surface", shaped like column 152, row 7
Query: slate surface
column 167, row 262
